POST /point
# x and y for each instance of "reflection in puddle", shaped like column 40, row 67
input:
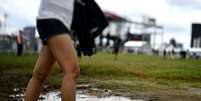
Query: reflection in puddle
column 55, row 96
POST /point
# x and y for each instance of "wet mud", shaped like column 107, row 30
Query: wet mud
column 12, row 87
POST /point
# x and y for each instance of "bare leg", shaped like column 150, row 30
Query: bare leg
column 41, row 70
column 63, row 50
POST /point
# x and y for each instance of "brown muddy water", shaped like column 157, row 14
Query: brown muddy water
column 95, row 94
column 82, row 96
column 13, row 85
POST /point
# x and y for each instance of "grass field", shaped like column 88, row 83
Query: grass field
column 138, row 72
column 127, row 74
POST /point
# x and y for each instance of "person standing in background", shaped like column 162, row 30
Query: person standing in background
column 20, row 40
column 116, row 47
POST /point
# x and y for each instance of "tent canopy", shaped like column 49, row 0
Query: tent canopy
column 114, row 17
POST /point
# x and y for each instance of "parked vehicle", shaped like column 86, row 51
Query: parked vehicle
column 195, row 53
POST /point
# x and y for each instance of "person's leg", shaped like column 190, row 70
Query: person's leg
column 41, row 70
column 18, row 49
column 63, row 50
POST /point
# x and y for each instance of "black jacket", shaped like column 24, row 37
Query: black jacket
column 88, row 22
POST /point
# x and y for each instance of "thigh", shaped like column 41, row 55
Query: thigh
column 48, row 28
column 44, row 62
column 63, row 50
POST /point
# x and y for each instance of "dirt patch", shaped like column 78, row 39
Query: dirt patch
column 12, row 84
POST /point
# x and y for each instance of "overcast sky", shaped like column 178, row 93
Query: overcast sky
column 175, row 15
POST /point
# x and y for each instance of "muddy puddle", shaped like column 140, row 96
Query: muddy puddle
column 82, row 96
column 87, row 92
column 95, row 94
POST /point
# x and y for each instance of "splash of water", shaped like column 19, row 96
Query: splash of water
column 80, row 96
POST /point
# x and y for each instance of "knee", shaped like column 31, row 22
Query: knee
column 74, row 73
column 39, row 76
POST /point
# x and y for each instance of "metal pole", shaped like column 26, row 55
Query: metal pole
column 162, row 36
column 1, row 27
column 5, row 22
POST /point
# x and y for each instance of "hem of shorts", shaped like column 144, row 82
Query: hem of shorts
column 46, row 41
column 67, row 25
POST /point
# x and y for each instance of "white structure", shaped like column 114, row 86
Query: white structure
column 120, row 26
column 135, row 44
column 137, row 47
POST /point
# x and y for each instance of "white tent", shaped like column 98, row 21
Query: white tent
column 134, row 44
column 135, row 47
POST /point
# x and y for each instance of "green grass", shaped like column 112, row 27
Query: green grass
column 139, row 66
column 129, row 72
column 142, row 72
